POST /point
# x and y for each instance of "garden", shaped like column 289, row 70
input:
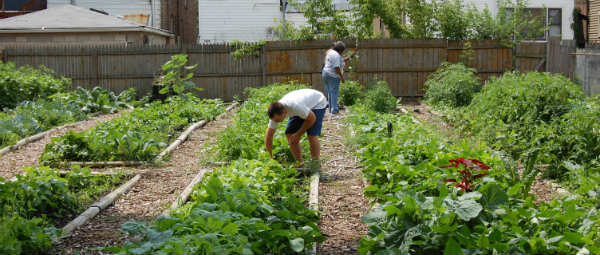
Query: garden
column 505, row 165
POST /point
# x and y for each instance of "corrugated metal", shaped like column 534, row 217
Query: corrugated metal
column 227, row 20
column 119, row 7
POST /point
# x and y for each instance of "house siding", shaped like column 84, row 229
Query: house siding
column 121, row 8
column 567, row 7
column 245, row 20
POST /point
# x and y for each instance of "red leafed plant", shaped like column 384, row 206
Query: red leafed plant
column 470, row 170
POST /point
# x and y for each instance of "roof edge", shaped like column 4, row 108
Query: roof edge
column 87, row 30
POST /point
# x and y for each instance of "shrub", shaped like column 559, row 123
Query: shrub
column 512, row 111
column 27, row 83
column 379, row 97
column 575, row 137
column 350, row 93
column 451, row 85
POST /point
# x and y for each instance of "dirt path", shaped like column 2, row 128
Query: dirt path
column 544, row 189
column 341, row 199
column 13, row 162
column 156, row 190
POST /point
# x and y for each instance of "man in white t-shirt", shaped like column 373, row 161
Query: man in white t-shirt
column 305, row 109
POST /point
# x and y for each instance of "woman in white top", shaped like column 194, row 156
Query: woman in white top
column 333, row 74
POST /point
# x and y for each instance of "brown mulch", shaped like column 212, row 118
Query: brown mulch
column 154, row 193
column 27, row 156
column 543, row 189
column 341, row 199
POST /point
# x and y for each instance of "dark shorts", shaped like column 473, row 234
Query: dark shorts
column 295, row 123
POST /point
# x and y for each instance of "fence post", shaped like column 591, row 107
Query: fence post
column 4, row 56
column 263, row 63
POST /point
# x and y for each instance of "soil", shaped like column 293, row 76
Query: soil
column 341, row 198
column 158, row 187
column 13, row 162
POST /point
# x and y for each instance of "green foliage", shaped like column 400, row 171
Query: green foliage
column 27, row 84
column 379, row 97
column 177, row 76
column 250, row 207
column 419, row 213
column 244, row 138
column 32, row 117
column 24, row 236
column 451, row 85
column 138, row 135
column 31, row 205
column 513, row 112
column 351, row 92
column 242, row 49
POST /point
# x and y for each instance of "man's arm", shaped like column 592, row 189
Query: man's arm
column 339, row 72
column 308, row 123
column 269, row 140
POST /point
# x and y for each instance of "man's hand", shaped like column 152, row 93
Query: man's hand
column 295, row 137
column 269, row 141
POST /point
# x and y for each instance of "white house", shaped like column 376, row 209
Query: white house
column 558, row 14
column 245, row 20
column 145, row 12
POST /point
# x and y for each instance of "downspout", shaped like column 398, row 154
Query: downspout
column 151, row 13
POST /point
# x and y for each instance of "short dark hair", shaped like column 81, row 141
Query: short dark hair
column 339, row 46
column 275, row 108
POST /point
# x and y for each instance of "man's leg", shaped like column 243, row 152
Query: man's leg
column 315, row 147
column 296, row 150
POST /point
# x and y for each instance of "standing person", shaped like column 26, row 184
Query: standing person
column 305, row 109
column 333, row 74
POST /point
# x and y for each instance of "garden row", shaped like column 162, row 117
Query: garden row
column 537, row 117
column 438, row 195
column 34, row 205
column 254, row 205
column 34, row 100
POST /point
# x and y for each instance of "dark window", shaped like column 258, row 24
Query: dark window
column 554, row 22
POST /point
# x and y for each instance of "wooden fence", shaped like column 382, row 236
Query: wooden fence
column 404, row 64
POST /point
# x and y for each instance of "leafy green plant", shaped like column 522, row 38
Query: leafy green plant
column 350, row 93
column 177, row 76
column 32, row 205
column 32, row 117
column 379, row 97
column 452, row 85
column 418, row 213
column 250, row 207
column 242, row 49
column 27, row 84
column 138, row 135
column 512, row 112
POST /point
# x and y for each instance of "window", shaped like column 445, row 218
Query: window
column 554, row 22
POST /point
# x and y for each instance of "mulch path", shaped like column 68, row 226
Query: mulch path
column 158, row 187
column 341, row 199
column 12, row 163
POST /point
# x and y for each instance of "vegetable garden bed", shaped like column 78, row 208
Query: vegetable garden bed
column 33, row 205
column 252, row 206
column 422, row 210
column 136, row 136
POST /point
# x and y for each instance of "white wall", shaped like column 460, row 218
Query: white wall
column 119, row 7
column 567, row 7
column 245, row 20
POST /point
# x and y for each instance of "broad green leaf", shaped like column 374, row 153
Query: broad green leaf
column 230, row 229
column 452, row 248
column 493, row 195
column 297, row 244
column 467, row 209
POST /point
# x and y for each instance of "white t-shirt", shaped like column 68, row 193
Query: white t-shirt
column 300, row 102
column 333, row 60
